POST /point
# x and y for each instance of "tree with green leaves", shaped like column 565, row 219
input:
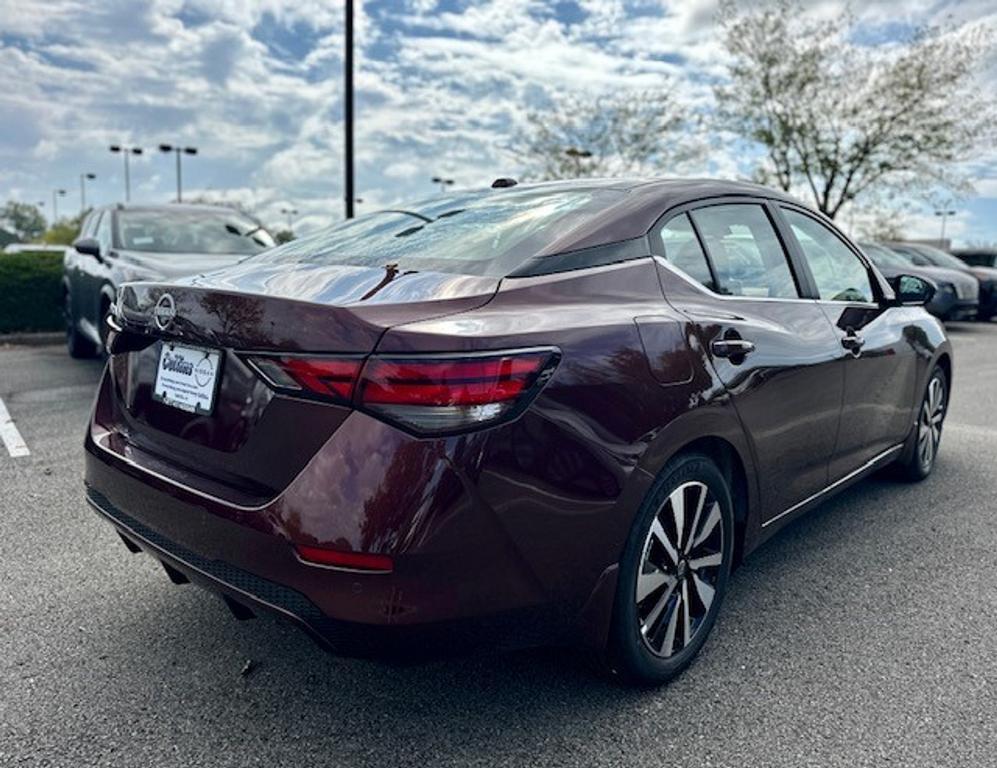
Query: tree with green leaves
column 64, row 231
column 634, row 132
column 844, row 119
column 23, row 219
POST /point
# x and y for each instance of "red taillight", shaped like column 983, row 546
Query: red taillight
column 430, row 394
column 330, row 377
column 358, row 561
column 442, row 395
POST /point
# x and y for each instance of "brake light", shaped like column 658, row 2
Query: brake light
column 425, row 394
column 438, row 395
column 327, row 377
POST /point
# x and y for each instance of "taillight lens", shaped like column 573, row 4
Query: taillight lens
column 440, row 395
column 331, row 378
column 425, row 394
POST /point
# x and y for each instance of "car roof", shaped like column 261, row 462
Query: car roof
column 641, row 203
column 170, row 207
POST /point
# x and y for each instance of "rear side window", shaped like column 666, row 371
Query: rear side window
column 747, row 257
column 840, row 274
column 682, row 250
column 477, row 233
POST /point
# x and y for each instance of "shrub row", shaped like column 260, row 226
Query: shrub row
column 30, row 293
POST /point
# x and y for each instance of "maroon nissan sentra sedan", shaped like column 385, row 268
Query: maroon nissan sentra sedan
column 547, row 414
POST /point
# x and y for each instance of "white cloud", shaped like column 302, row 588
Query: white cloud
column 256, row 85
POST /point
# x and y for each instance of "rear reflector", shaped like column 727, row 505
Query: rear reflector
column 427, row 395
column 358, row 561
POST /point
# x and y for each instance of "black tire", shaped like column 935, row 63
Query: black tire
column 921, row 450
column 651, row 643
column 78, row 345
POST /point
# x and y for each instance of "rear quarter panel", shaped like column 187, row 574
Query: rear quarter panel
column 565, row 480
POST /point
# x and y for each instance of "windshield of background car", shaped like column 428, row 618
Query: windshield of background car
column 191, row 231
column 884, row 257
column 940, row 258
column 485, row 234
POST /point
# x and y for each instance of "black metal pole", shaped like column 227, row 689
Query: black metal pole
column 348, row 109
column 179, row 197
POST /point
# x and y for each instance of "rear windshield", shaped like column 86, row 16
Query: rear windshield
column 191, row 231
column 481, row 233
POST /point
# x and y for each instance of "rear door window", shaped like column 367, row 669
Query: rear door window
column 840, row 274
column 747, row 257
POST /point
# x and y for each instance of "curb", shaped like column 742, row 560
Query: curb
column 32, row 339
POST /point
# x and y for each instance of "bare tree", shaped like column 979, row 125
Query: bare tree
column 841, row 118
column 634, row 132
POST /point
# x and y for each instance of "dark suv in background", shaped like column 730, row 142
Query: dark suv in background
column 927, row 255
column 152, row 242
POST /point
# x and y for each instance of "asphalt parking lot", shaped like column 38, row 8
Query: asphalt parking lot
column 865, row 634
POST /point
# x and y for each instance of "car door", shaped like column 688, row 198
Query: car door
column 769, row 343
column 876, row 348
column 93, row 275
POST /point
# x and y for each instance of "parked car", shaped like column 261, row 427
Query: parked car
column 985, row 276
column 557, row 413
column 153, row 242
column 977, row 257
column 34, row 248
column 955, row 293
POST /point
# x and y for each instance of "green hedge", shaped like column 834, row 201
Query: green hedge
column 30, row 293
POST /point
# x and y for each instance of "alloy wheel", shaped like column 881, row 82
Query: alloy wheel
column 930, row 422
column 680, row 566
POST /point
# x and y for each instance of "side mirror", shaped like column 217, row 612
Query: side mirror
column 912, row 291
column 88, row 246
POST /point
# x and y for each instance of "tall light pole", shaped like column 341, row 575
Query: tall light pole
column 443, row 182
column 56, row 194
column 178, row 150
column 944, row 213
column 125, row 152
column 578, row 155
column 83, row 189
column 290, row 213
column 348, row 109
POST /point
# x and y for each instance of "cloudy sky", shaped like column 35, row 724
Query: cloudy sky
column 441, row 86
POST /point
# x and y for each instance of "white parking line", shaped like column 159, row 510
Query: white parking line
column 11, row 437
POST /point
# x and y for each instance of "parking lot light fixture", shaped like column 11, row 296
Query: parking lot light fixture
column 578, row 155
column 84, row 177
column 290, row 213
column 56, row 194
column 443, row 182
column 125, row 152
column 178, row 151
column 944, row 213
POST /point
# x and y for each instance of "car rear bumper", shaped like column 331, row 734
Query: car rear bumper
column 476, row 560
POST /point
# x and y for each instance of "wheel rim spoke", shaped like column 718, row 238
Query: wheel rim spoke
column 658, row 532
column 700, row 503
column 712, row 521
column 648, row 583
column 704, row 591
column 686, row 623
column 659, row 606
column 706, row 561
column 667, row 646
column 677, row 502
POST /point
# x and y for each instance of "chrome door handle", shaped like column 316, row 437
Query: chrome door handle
column 731, row 347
